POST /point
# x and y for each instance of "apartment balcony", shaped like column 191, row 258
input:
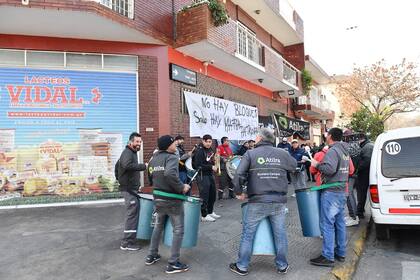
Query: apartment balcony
column 278, row 17
column 314, row 106
column 109, row 20
column 235, row 49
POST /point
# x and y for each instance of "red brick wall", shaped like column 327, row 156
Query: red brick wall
column 192, row 25
column 295, row 54
column 277, row 45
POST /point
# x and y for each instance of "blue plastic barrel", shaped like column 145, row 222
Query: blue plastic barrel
column 264, row 239
column 192, row 215
column 144, row 228
column 309, row 211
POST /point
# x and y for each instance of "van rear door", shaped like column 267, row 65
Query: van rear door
column 399, row 177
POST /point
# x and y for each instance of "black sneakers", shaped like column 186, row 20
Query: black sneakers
column 235, row 269
column 284, row 270
column 176, row 268
column 129, row 247
column 322, row 261
column 339, row 258
column 152, row 259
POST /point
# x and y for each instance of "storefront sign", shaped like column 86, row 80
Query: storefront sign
column 288, row 126
column 219, row 117
column 183, row 75
column 62, row 131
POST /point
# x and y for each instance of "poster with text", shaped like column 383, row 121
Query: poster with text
column 219, row 117
column 62, row 132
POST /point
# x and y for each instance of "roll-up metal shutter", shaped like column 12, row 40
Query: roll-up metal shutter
column 61, row 132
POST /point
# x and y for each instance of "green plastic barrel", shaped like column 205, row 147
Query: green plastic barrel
column 192, row 215
column 264, row 239
column 308, row 202
column 144, row 228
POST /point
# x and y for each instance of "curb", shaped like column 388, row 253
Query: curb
column 345, row 271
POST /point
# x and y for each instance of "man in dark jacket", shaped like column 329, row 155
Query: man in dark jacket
column 298, row 177
column 164, row 175
column 261, row 176
column 284, row 145
column 183, row 156
column 203, row 160
column 335, row 172
column 363, row 169
column 128, row 176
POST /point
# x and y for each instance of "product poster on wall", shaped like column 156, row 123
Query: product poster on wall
column 61, row 133
column 219, row 117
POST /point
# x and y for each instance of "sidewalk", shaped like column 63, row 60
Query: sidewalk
column 83, row 243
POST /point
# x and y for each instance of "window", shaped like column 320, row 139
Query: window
column 45, row 59
column 248, row 45
column 12, row 58
column 401, row 158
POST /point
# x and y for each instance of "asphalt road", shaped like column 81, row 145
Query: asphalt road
column 396, row 258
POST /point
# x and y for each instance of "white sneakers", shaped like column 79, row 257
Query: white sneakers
column 210, row 217
column 351, row 222
column 215, row 216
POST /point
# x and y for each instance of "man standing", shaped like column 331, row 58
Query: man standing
column 225, row 154
column 335, row 172
column 128, row 175
column 363, row 170
column 183, row 156
column 298, row 177
column 203, row 160
column 243, row 149
column 164, row 175
column 284, row 145
column 261, row 176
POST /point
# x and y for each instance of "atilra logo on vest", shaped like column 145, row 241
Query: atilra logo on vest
column 262, row 160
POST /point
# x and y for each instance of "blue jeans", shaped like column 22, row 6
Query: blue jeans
column 256, row 212
column 333, row 226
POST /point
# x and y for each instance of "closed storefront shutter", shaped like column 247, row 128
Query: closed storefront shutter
column 63, row 128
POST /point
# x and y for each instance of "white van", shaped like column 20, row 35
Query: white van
column 395, row 180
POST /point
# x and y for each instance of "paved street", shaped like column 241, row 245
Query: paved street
column 397, row 258
column 83, row 243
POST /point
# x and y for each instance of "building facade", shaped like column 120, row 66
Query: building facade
column 77, row 77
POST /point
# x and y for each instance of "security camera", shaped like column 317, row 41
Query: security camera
column 25, row 2
column 211, row 61
column 260, row 81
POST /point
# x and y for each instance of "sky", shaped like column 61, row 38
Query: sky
column 384, row 29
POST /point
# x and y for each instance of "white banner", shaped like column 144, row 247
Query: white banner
column 219, row 117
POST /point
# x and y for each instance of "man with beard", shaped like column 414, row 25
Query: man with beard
column 127, row 172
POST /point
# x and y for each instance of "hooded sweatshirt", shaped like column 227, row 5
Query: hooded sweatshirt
column 335, row 166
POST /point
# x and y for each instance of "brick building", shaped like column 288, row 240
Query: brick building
column 79, row 75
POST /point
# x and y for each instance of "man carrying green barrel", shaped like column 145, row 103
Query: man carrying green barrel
column 164, row 176
column 261, row 176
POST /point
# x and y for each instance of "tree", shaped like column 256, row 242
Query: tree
column 381, row 90
column 367, row 122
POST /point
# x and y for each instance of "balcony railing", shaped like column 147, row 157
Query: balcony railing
column 123, row 7
column 289, row 74
column 248, row 46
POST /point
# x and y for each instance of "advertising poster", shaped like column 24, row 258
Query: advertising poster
column 61, row 133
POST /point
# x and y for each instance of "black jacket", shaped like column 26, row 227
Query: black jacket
column 164, row 174
column 128, row 170
column 264, row 171
column 365, row 157
column 204, row 158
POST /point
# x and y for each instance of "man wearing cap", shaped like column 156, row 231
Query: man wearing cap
column 164, row 176
column 284, row 145
column 127, row 173
column 298, row 177
column 261, row 176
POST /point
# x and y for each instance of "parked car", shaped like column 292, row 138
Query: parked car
column 395, row 180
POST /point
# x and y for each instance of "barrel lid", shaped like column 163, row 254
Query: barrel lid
column 308, row 189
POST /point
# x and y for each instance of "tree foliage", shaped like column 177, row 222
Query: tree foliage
column 367, row 122
column 383, row 91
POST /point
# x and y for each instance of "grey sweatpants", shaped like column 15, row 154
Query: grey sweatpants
column 132, row 209
column 175, row 211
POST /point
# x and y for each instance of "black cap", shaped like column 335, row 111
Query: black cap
column 164, row 142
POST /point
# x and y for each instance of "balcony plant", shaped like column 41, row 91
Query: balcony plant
column 217, row 9
column 306, row 81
